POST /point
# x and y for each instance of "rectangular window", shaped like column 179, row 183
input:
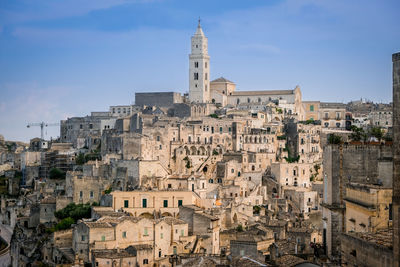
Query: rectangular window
column 80, row 194
column 196, row 76
column 83, row 238
column 196, row 64
column 220, row 129
column 144, row 203
column 180, row 202
column 206, row 76
column 126, row 203
column 161, row 235
column 103, row 238
column 124, row 234
column 311, row 107
column 146, row 232
column 165, row 203
column 182, row 232
column 91, row 194
column 145, row 261
column 205, row 65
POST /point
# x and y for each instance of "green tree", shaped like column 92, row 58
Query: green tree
column 376, row 132
column 80, row 159
column 74, row 211
column 317, row 167
column 334, row 139
column 357, row 134
column 56, row 173
column 64, row 224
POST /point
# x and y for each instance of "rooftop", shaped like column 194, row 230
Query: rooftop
column 221, row 80
column 382, row 238
column 264, row 92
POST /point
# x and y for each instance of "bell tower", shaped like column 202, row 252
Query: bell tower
column 199, row 68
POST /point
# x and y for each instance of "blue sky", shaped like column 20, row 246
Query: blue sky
column 65, row 58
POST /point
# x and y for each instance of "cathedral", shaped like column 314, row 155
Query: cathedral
column 205, row 95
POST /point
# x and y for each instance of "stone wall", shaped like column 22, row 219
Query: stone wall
column 396, row 159
column 159, row 99
column 358, row 252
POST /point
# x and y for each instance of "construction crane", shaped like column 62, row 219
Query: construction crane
column 42, row 125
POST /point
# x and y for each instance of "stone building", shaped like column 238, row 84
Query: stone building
column 367, row 249
column 363, row 164
column 150, row 203
column 163, row 235
column 367, row 207
column 205, row 226
column 381, row 118
column 158, row 99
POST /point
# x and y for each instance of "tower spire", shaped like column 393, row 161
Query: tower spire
column 199, row 30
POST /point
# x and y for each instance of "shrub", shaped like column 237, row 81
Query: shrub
column 80, row 159
column 215, row 116
column 281, row 137
column 239, row 228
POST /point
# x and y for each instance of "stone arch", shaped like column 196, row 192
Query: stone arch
column 202, row 150
column 219, row 149
column 147, row 215
column 209, row 149
column 166, row 214
column 296, row 171
column 265, row 139
column 193, row 150
column 187, row 150
column 235, row 219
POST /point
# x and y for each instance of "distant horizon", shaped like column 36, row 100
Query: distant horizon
column 68, row 58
